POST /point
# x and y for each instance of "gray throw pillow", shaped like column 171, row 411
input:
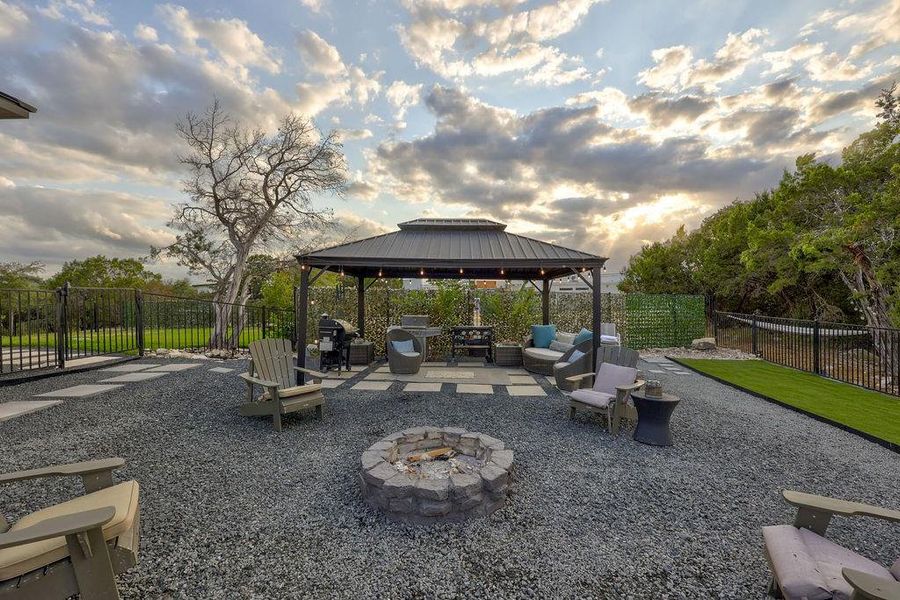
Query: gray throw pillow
column 576, row 355
column 560, row 346
column 403, row 346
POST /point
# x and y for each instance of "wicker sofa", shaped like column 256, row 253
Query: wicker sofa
column 541, row 360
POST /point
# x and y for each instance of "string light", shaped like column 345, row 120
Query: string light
column 501, row 271
column 421, row 271
column 460, row 271
column 379, row 272
column 542, row 270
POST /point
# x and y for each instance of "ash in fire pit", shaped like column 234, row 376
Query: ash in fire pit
column 428, row 474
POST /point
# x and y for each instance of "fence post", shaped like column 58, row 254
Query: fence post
column 753, row 336
column 817, row 344
column 139, row 321
column 62, row 325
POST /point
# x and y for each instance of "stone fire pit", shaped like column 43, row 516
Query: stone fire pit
column 431, row 474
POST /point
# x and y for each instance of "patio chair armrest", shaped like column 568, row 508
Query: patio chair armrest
column 630, row 388
column 58, row 526
column 835, row 506
column 578, row 378
column 316, row 374
column 870, row 587
column 89, row 470
column 251, row 380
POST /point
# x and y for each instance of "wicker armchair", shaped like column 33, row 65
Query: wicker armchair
column 404, row 363
column 565, row 368
column 542, row 365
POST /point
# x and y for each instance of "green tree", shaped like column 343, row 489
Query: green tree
column 19, row 276
column 100, row 271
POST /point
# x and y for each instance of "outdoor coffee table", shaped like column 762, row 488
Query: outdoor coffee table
column 653, row 418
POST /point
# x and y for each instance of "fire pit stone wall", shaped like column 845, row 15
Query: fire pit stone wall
column 473, row 485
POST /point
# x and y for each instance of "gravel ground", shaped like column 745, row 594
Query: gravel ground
column 679, row 352
column 232, row 510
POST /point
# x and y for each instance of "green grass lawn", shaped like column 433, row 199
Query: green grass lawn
column 118, row 340
column 866, row 411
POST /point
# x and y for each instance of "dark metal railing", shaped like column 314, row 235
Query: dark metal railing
column 42, row 329
column 865, row 356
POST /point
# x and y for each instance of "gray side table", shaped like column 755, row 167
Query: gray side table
column 654, row 414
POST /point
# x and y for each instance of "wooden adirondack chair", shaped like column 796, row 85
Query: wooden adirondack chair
column 75, row 547
column 805, row 564
column 612, row 386
column 272, row 368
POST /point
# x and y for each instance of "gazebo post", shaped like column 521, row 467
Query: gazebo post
column 597, row 311
column 301, row 310
column 361, row 305
column 545, row 302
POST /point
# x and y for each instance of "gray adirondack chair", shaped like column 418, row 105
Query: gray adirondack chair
column 272, row 368
column 76, row 547
column 805, row 564
column 610, row 389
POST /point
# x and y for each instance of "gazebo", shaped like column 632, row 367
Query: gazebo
column 448, row 249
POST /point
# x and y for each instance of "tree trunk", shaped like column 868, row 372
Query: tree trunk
column 872, row 298
column 224, row 305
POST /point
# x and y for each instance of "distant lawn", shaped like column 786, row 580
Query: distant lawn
column 869, row 412
column 120, row 340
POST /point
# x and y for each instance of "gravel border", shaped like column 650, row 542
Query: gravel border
column 232, row 509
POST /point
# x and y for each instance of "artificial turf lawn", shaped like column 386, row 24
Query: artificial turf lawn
column 866, row 411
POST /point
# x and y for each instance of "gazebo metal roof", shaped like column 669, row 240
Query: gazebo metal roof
column 13, row 108
column 452, row 249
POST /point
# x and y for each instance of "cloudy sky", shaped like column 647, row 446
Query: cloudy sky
column 596, row 124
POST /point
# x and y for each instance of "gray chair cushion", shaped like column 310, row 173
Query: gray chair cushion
column 598, row 399
column 544, row 354
column 895, row 569
column 610, row 376
column 575, row 356
column 808, row 565
column 410, row 354
column 403, row 346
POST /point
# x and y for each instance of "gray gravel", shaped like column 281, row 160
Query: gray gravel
column 232, row 510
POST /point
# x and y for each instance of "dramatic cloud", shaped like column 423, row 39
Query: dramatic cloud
column 320, row 56
column 458, row 39
column 12, row 19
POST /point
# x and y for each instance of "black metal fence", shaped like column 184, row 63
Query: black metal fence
column 42, row 329
column 865, row 356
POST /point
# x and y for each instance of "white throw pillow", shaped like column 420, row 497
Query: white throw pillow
column 560, row 346
column 565, row 338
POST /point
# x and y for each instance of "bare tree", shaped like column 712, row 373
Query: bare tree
column 249, row 192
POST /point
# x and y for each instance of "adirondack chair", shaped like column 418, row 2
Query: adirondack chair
column 615, row 379
column 76, row 547
column 272, row 368
column 805, row 564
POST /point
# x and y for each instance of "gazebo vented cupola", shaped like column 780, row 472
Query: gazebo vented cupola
column 448, row 249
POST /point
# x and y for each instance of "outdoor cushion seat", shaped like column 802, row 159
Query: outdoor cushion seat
column 561, row 364
column 410, row 354
column 297, row 390
column 592, row 397
column 18, row 560
column 809, row 566
column 544, row 354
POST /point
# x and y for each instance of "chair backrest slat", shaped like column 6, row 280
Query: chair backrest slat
column 617, row 355
column 273, row 360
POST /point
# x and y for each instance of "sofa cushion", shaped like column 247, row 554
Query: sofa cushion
column 410, row 354
column 542, row 335
column 560, row 346
column 808, row 565
column 610, row 376
column 19, row 560
column 543, row 354
column 594, row 398
column 565, row 337
column 895, row 569
column 403, row 346
column 583, row 336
